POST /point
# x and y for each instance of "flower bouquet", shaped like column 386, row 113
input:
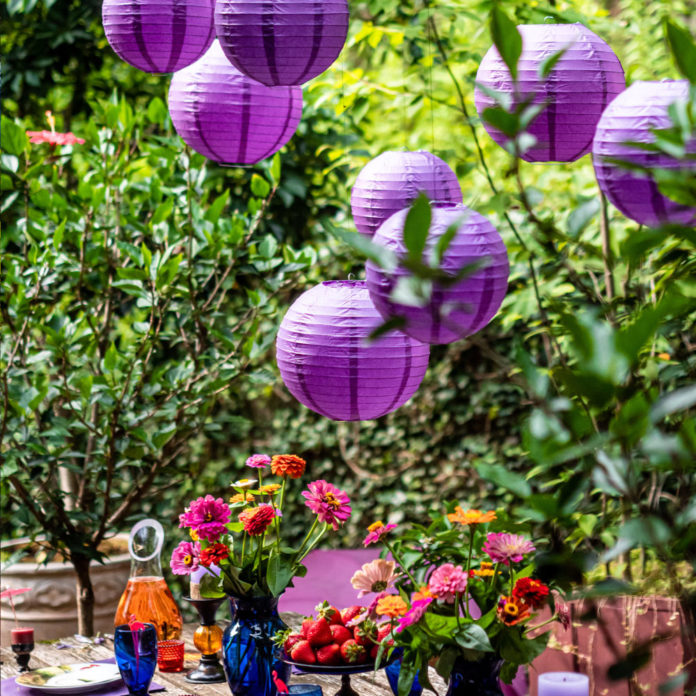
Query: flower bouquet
column 457, row 593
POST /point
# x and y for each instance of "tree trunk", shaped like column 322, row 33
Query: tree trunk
column 85, row 596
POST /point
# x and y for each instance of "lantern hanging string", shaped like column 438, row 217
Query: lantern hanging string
column 429, row 78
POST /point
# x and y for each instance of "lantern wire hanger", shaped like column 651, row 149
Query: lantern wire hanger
column 431, row 55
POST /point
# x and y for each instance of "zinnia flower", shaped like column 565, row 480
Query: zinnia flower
column 269, row 489
column 241, row 498
column 207, row 517
column 563, row 611
column 418, row 608
column 256, row 520
column 421, row 594
column 185, row 558
column 512, row 611
column 288, row 465
column 376, row 531
column 213, row 554
column 470, row 516
column 447, row 581
column 258, row 461
column 392, row 606
column 486, row 570
column 503, row 547
column 328, row 502
column 375, row 576
column 244, row 483
column 530, row 591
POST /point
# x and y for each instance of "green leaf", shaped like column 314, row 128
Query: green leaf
column 274, row 170
column 417, row 226
column 504, row 121
column 110, row 358
column 58, row 234
column 157, row 111
column 673, row 402
column 381, row 256
column 163, row 211
column 216, row 207
column 14, row 139
column 473, row 637
column 259, row 186
column 278, row 574
column 498, row 474
column 683, row 48
column 268, row 247
column 549, row 63
column 581, row 217
column 506, row 39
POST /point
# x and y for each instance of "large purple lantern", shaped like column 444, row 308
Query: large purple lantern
column 585, row 79
column 159, row 36
column 460, row 309
column 328, row 364
column 281, row 42
column 630, row 117
column 393, row 180
column 227, row 116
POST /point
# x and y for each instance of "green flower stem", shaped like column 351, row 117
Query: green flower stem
column 280, row 507
column 402, row 565
column 529, row 629
column 468, row 568
column 298, row 560
column 458, row 607
column 298, row 556
column 244, row 538
column 495, row 574
column 260, row 477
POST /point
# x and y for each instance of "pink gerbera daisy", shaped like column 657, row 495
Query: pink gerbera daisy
column 185, row 558
column 328, row 502
column 207, row 517
column 447, row 581
column 375, row 576
column 376, row 531
column 503, row 547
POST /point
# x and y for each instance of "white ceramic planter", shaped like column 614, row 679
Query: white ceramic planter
column 51, row 605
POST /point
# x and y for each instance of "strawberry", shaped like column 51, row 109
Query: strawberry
column 305, row 625
column 329, row 655
column 340, row 634
column 319, row 633
column 352, row 653
column 373, row 652
column 365, row 633
column 328, row 612
column 350, row 613
column 302, row 652
column 292, row 640
column 383, row 631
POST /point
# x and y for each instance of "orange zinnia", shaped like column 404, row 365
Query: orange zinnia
column 422, row 593
column 512, row 611
column 391, row 605
column 470, row 516
column 242, row 498
column 269, row 489
column 288, row 465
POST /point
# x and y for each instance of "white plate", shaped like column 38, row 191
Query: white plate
column 71, row 679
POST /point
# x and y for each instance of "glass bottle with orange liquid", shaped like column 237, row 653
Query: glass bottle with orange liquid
column 147, row 596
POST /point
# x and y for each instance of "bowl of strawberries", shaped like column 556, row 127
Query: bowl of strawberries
column 335, row 642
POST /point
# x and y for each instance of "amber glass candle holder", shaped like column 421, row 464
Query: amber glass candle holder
column 208, row 641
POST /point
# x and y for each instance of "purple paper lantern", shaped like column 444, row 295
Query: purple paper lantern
column 281, row 42
column 630, row 117
column 585, row 79
column 327, row 363
column 159, row 36
column 227, row 116
column 393, row 180
column 458, row 310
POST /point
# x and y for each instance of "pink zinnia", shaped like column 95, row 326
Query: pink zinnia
column 328, row 502
column 376, row 531
column 503, row 547
column 414, row 614
column 185, row 558
column 207, row 517
column 258, row 461
column 446, row 581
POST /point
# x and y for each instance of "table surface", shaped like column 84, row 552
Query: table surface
column 46, row 654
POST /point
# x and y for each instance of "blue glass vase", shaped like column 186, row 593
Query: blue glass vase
column 393, row 669
column 480, row 677
column 136, row 657
column 249, row 655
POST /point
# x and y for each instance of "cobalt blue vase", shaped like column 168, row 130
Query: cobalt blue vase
column 480, row 677
column 393, row 669
column 249, row 655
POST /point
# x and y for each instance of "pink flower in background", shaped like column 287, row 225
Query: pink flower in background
column 51, row 137
column 503, row 547
column 328, row 502
column 446, row 581
column 185, row 558
column 207, row 517
column 375, row 576
column 258, row 461
column 376, row 531
column 418, row 608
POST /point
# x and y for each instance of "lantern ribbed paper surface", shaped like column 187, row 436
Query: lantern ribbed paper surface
column 327, row 363
column 393, row 180
column 461, row 309
column 585, row 79
column 227, row 116
column 159, row 36
column 630, row 117
column 282, row 42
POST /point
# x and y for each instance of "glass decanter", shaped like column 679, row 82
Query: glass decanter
column 147, row 596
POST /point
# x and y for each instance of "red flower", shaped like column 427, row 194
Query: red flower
column 532, row 592
column 257, row 520
column 213, row 554
column 54, row 138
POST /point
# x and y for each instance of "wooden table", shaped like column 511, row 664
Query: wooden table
column 46, row 654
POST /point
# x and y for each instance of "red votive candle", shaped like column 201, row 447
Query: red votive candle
column 22, row 635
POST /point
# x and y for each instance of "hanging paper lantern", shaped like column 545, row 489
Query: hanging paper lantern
column 281, row 42
column 585, row 79
column 393, row 180
column 159, row 36
column 227, row 116
column 460, row 309
column 328, row 364
column 630, row 117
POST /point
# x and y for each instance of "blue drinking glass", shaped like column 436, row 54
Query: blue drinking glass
column 136, row 657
